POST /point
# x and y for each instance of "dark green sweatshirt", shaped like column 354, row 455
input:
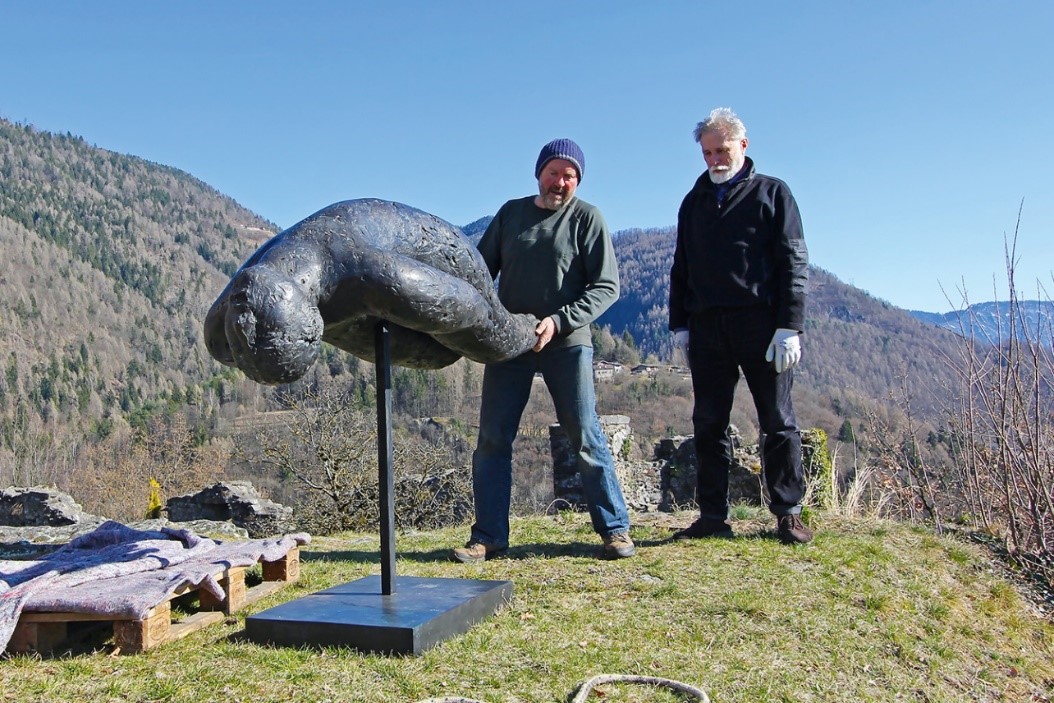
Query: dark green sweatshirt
column 559, row 263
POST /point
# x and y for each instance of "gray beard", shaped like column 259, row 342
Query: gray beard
column 719, row 177
column 548, row 202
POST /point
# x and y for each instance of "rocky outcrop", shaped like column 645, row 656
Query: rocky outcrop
column 234, row 501
column 31, row 542
column 40, row 507
column 639, row 480
column 37, row 520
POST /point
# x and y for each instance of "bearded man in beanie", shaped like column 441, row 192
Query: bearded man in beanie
column 556, row 261
column 737, row 301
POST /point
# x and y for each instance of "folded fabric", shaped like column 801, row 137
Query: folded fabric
column 120, row 572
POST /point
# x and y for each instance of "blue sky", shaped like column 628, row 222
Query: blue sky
column 910, row 132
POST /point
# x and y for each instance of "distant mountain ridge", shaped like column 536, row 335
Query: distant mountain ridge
column 642, row 307
column 992, row 322
column 474, row 230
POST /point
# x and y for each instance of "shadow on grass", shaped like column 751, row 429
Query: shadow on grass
column 351, row 555
column 241, row 638
column 529, row 550
column 521, row 552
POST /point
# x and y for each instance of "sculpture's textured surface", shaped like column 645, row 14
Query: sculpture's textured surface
column 333, row 276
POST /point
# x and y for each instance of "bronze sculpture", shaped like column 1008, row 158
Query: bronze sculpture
column 335, row 275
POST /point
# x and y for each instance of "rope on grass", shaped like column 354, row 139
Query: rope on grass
column 677, row 686
column 587, row 687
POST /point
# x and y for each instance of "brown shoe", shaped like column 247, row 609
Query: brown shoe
column 475, row 551
column 704, row 527
column 619, row 546
column 792, row 530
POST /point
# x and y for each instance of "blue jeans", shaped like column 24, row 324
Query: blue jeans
column 568, row 374
column 720, row 343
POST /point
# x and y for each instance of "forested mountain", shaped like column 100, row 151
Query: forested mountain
column 856, row 347
column 644, row 258
column 107, row 265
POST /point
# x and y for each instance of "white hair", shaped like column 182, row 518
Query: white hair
column 723, row 121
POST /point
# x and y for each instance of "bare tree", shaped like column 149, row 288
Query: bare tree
column 113, row 477
column 1002, row 422
column 326, row 442
column 911, row 474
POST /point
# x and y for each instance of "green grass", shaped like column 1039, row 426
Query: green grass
column 870, row 611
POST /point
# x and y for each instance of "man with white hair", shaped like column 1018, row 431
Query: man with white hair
column 737, row 301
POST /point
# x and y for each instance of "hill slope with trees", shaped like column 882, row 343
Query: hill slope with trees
column 107, row 265
column 856, row 347
column 993, row 322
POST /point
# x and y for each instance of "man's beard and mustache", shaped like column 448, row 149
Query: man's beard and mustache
column 723, row 174
column 555, row 198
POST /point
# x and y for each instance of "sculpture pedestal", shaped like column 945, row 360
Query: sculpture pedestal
column 421, row 613
column 386, row 613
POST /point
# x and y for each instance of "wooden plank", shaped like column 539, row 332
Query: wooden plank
column 285, row 569
column 262, row 590
column 193, row 623
column 233, row 584
column 133, row 636
column 37, row 636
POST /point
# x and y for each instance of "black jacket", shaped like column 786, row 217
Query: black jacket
column 747, row 251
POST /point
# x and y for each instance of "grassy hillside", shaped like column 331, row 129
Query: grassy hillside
column 870, row 612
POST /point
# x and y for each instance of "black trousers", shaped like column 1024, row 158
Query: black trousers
column 721, row 342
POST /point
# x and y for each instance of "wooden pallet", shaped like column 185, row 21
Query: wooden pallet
column 43, row 631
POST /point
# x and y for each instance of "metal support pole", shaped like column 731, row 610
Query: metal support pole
column 385, row 456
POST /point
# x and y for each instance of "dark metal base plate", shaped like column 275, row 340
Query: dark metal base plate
column 420, row 614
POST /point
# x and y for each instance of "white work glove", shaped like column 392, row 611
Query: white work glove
column 784, row 349
column 680, row 340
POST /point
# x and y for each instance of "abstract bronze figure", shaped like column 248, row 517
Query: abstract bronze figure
column 336, row 274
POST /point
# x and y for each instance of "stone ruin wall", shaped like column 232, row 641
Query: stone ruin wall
column 665, row 481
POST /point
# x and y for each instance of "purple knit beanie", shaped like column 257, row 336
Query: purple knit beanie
column 561, row 149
